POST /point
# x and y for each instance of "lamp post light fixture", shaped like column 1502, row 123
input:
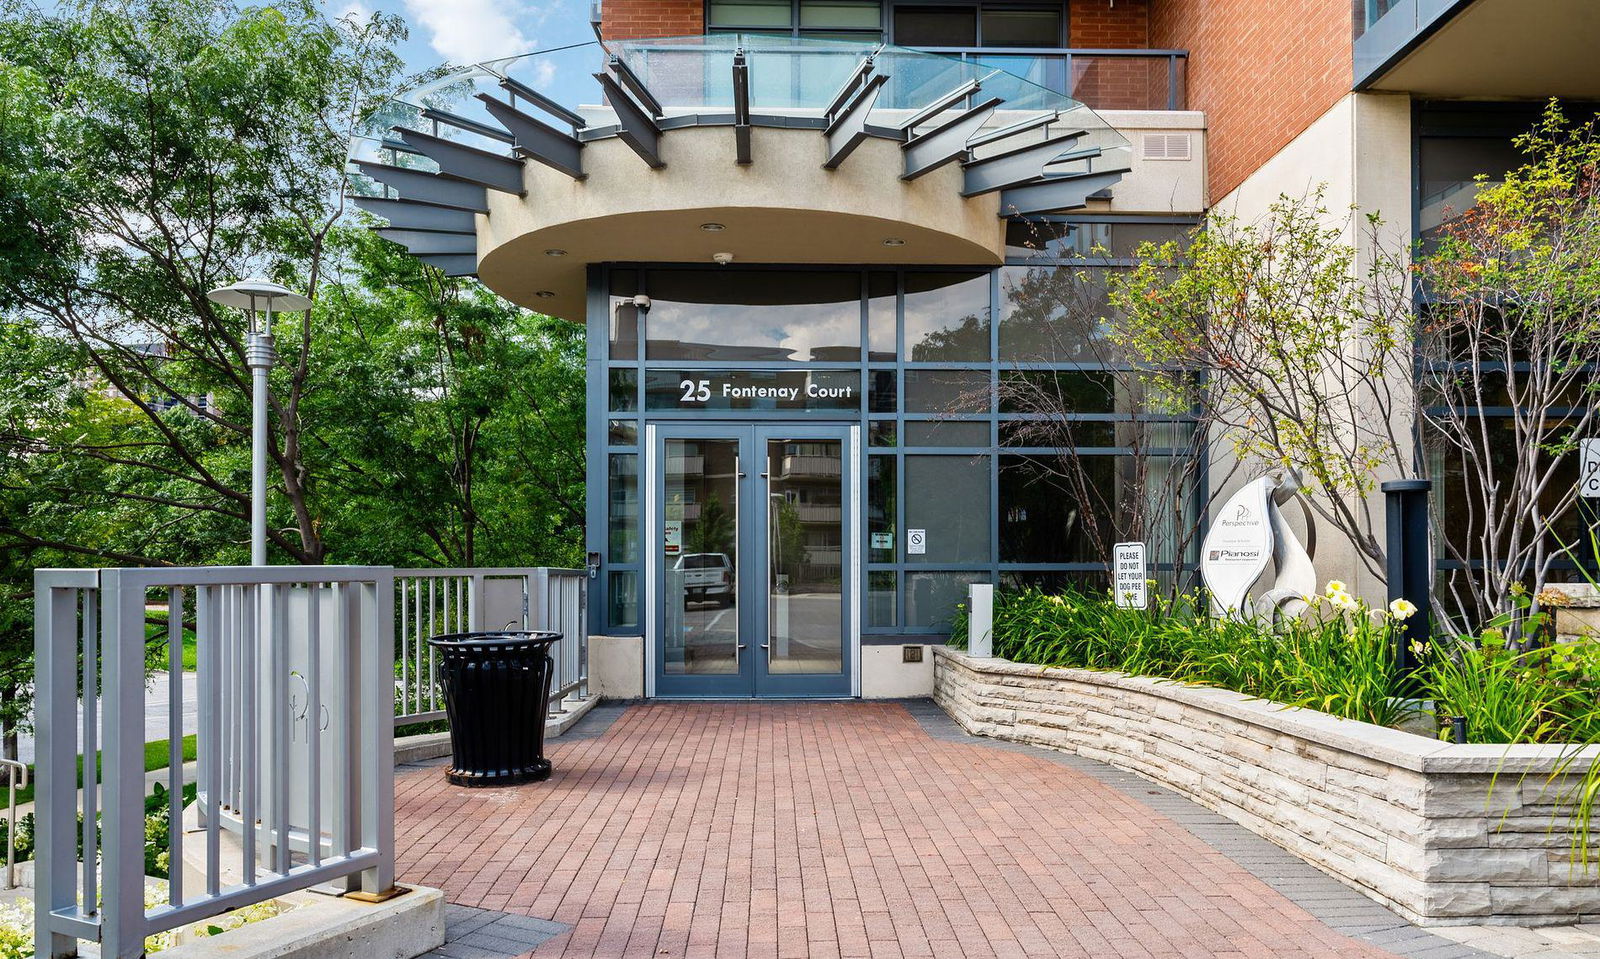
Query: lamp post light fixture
column 257, row 296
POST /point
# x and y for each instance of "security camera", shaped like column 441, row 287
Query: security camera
column 722, row 259
column 641, row 301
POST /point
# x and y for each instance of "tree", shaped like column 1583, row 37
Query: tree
column 1307, row 345
column 150, row 152
column 450, row 430
column 1509, row 347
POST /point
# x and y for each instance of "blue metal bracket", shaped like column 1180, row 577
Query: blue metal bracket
column 848, row 128
column 462, row 162
column 537, row 140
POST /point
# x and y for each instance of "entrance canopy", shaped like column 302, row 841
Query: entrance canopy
column 699, row 149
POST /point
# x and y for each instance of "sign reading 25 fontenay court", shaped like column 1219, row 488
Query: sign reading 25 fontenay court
column 753, row 390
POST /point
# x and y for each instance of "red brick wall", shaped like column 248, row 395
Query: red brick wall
column 631, row 19
column 1262, row 70
column 1091, row 23
column 1108, row 24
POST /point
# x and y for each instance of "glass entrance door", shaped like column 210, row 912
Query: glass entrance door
column 752, row 551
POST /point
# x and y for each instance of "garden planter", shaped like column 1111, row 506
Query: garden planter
column 1442, row 833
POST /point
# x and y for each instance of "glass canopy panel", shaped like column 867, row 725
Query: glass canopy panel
column 790, row 76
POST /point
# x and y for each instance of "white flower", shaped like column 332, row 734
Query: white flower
column 1335, row 588
column 1402, row 609
column 1343, row 600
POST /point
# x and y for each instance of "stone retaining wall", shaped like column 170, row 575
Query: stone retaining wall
column 1444, row 834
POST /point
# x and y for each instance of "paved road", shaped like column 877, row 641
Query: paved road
column 157, row 723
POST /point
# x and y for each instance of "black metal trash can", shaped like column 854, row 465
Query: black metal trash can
column 497, row 695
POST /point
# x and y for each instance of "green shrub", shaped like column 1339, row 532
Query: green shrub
column 1337, row 660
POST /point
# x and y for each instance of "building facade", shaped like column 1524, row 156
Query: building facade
column 800, row 235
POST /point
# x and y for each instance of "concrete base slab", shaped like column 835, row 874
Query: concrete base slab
column 320, row 927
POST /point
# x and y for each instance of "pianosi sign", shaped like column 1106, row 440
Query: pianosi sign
column 1238, row 547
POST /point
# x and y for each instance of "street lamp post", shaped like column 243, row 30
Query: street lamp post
column 256, row 295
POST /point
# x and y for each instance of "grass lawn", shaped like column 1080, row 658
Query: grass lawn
column 156, row 645
column 155, row 757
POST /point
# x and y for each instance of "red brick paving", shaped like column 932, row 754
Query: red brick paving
column 835, row 829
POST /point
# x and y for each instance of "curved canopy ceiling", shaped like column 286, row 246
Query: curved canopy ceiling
column 431, row 158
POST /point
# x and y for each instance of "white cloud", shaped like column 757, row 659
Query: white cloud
column 355, row 11
column 471, row 31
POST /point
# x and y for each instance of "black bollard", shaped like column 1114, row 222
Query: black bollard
column 1410, row 571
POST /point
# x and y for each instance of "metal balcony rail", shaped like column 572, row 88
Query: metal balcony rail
column 1110, row 79
column 434, row 602
column 295, row 783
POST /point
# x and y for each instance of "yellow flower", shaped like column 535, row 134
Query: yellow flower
column 1402, row 609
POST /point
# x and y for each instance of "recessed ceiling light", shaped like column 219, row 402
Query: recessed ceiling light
column 545, row 294
column 894, row 241
column 712, row 227
column 555, row 252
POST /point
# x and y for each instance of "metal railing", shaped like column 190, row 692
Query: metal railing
column 434, row 602
column 16, row 778
column 1109, row 79
column 294, row 742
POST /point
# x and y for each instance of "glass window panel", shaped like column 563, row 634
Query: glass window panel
column 805, row 556
column 882, row 585
column 749, row 13
column 1056, row 582
column 840, row 14
column 624, row 391
column 948, row 498
column 1055, row 314
column 622, row 512
column 1022, row 28
column 882, row 489
column 947, row 433
column 936, row 26
column 947, row 391
column 947, row 317
column 932, row 598
column 1120, row 240
column 624, row 315
column 882, row 434
column 623, row 433
column 882, row 304
column 785, row 389
column 699, row 557
column 1053, row 392
column 624, row 592
column 760, row 315
column 1055, row 509
column 882, row 391
column 1057, row 432
column 1449, row 167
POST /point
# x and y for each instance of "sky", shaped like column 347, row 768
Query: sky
column 471, row 31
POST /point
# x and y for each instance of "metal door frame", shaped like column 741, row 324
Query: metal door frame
column 751, row 532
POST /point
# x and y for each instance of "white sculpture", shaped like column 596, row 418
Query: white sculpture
column 1248, row 535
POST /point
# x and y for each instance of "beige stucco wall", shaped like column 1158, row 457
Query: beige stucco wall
column 1359, row 154
column 1169, row 187
column 616, row 666
column 885, row 674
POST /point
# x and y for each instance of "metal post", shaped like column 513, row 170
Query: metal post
column 980, row 620
column 259, row 356
column 1410, row 572
column 122, row 869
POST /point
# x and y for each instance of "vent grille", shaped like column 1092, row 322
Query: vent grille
column 1166, row 146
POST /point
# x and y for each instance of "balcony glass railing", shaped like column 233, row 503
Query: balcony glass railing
column 1099, row 79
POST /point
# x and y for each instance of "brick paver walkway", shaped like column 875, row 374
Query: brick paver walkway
column 835, row 829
